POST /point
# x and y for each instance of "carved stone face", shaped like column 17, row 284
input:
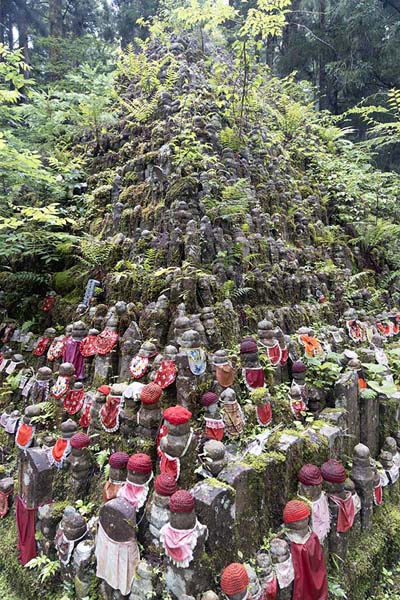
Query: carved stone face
column 390, row 445
column 279, row 550
column 264, row 564
column 73, row 524
column 386, row 459
column 44, row 374
column 120, row 308
column 170, row 352
column 312, row 492
column 67, row 369
column 228, row 395
column 190, row 339
column 138, row 478
column 335, row 489
column 299, row 526
column 147, row 349
column 183, row 520
column 79, row 330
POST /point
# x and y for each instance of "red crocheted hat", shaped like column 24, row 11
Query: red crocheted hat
column 80, row 440
column 118, row 460
column 104, row 389
column 151, row 393
column 165, row 485
column 140, row 463
column 295, row 510
column 209, row 398
column 177, row 415
column 310, row 475
column 234, row 579
column 333, row 471
column 298, row 367
column 181, row 502
column 248, row 345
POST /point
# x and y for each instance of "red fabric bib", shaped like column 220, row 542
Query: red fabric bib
column 4, row 503
column 139, row 366
column 88, row 346
column 60, row 388
column 109, row 414
column 270, row 591
column 254, row 378
column 310, row 580
column 274, row 354
column 264, row 414
column 106, row 341
column 41, row 346
column 346, row 512
column 215, row 429
column 60, row 451
column 85, row 419
column 378, row 499
column 56, row 349
column 73, row 401
column 169, row 466
column 285, row 356
column 24, row 436
column 166, row 374
column 26, row 522
column 225, row 375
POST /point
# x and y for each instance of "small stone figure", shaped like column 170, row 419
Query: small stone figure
column 232, row 414
column 310, row 486
column 149, row 415
column 44, row 342
column 25, row 434
column 225, row 372
column 117, row 475
column 72, row 349
column 283, row 567
column 296, row 402
column 166, row 374
column 341, row 502
column 310, row 578
column 61, row 449
column 136, row 488
column 235, row 582
column 6, row 492
column 363, row 476
column 40, row 387
column 142, row 362
column 183, row 540
column 109, row 414
column 72, row 529
column 158, row 509
column 117, row 550
column 74, row 399
column 64, row 381
column 253, row 373
column 215, row 426
column 80, row 463
column 268, row 579
column 178, row 442
column 213, row 459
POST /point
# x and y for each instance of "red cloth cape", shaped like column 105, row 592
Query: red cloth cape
column 26, row 521
column 346, row 512
column 310, row 580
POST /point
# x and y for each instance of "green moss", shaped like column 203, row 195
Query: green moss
column 220, row 484
column 65, row 281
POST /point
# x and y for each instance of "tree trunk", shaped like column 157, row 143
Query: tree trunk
column 56, row 32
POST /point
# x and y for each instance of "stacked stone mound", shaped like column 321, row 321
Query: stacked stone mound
column 202, row 213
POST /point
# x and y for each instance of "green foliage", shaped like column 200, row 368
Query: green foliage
column 47, row 568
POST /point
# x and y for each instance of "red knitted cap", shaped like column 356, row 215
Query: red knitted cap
column 209, row 398
column 298, row 367
column 310, row 475
column 118, row 460
column 234, row 579
column 80, row 440
column 177, row 415
column 248, row 345
column 181, row 502
column 165, row 485
column 140, row 463
column 104, row 389
column 151, row 393
column 333, row 471
column 295, row 510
